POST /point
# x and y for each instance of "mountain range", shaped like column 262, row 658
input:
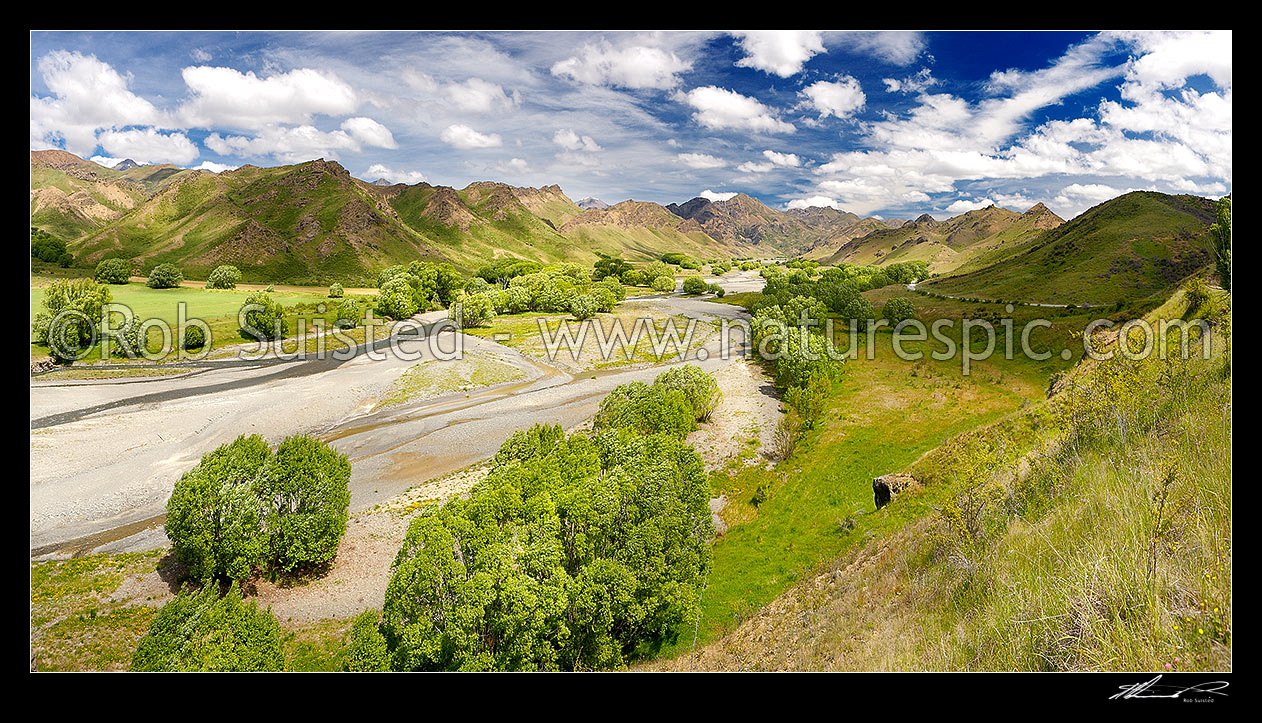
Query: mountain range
column 313, row 222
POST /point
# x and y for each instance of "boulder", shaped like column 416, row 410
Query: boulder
column 886, row 487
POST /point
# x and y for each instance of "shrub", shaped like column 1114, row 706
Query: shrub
column 367, row 651
column 787, row 435
column 475, row 310
column 663, row 284
column 305, row 491
column 84, row 300
column 262, row 317
column 165, row 276
column 695, row 285
column 47, row 247
column 633, row 277
column 899, row 309
column 476, row 285
column 583, row 306
column 349, row 314
column 336, row 291
column 113, row 271
column 810, row 401
column 214, row 516
column 194, row 337
column 1197, row 292
column 224, row 277
column 573, row 557
column 698, row 388
column 613, row 286
column 604, row 298
column 646, row 409
column 397, row 299
column 201, row 631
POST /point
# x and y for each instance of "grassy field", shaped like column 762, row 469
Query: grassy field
column 1091, row 532
column 217, row 307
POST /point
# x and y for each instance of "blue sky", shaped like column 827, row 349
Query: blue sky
column 888, row 124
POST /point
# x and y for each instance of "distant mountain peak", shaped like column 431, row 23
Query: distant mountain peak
column 126, row 165
column 382, row 182
column 592, row 204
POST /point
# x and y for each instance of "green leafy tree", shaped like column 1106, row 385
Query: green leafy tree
column 899, row 309
column 1221, row 236
column 194, row 337
column 695, row 285
column 698, row 388
column 305, row 490
column 367, row 651
column 572, row 554
column 647, row 409
column 262, row 317
column 397, row 299
column 73, row 309
column 610, row 266
column 336, row 291
column 224, row 277
column 214, row 516
column 584, row 306
column 663, row 284
column 165, row 276
column 203, row 631
column 472, row 310
column 113, row 271
column 349, row 314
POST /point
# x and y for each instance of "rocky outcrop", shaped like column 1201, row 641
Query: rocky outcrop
column 886, row 487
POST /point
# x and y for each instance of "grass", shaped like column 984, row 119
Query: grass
column 1090, row 532
column 433, row 377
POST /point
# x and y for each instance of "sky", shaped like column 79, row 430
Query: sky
column 890, row 124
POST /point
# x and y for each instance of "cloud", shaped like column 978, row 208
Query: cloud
column 302, row 143
column 149, row 146
column 87, row 95
column 632, row 66
column 965, row 205
column 369, row 133
column 917, row 83
column 779, row 52
column 571, row 141
column 714, row 196
column 465, row 138
column 774, row 160
column 227, row 97
column 897, row 48
column 814, row 202
column 214, row 167
column 701, row 160
column 393, row 175
column 841, row 98
column 720, row 109
column 474, row 95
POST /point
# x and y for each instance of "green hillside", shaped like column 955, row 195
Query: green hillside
column 1134, row 247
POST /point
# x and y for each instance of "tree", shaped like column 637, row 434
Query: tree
column 663, row 284
column 73, row 309
column 698, row 388
column 899, row 309
column 348, row 314
column 336, row 291
column 262, row 317
column 470, row 310
column 583, row 306
column 203, row 631
column 113, row 271
column 47, row 247
column 224, row 277
column 695, row 285
column 367, row 651
column 214, row 516
column 646, row 409
column 572, row 554
column 165, row 276
column 1221, row 238
column 610, row 266
column 305, row 490
column 194, row 337
column 397, row 299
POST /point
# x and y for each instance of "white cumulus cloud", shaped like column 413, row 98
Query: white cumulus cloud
column 465, row 138
column 779, row 52
column 720, row 109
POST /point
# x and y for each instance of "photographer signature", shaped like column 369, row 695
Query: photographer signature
column 1151, row 689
